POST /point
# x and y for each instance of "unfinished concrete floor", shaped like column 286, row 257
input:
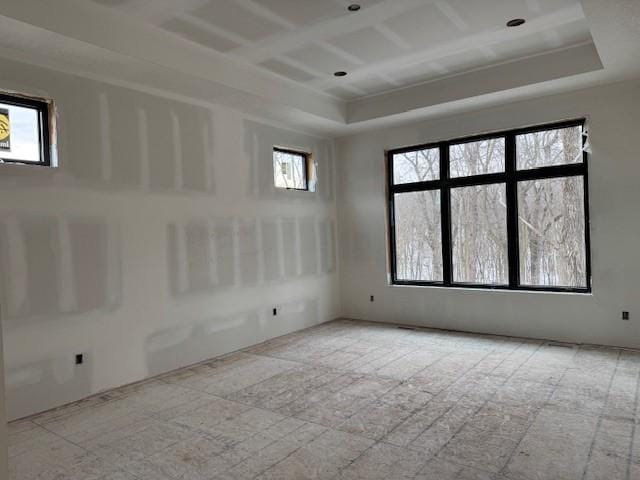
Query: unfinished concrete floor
column 355, row 400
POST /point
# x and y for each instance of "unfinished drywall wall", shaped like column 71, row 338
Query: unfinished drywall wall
column 4, row 467
column 614, row 168
column 159, row 241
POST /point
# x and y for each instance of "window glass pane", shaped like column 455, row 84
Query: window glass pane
column 19, row 133
column 549, row 147
column 289, row 170
column 551, row 231
column 479, row 234
column 476, row 158
column 418, row 236
column 416, row 166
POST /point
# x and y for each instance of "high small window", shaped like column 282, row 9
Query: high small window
column 506, row 210
column 24, row 131
column 290, row 169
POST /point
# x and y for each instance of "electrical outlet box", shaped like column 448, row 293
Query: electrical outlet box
column 625, row 315
column 79, row 359
column 371, row 298
column 275, row 312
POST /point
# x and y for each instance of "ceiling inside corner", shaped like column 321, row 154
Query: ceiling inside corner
column 386, row 45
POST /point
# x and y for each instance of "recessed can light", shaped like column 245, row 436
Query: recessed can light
column 340, row 74
column 354, row 7
column 516, row 22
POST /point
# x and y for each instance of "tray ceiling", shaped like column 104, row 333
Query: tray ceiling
column 386, row 45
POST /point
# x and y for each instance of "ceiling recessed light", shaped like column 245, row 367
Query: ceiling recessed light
column 354, row 7
column 516, row 22
column 340, row 74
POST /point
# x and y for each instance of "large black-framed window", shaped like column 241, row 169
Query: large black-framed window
column 24, row 131
column 506, row 210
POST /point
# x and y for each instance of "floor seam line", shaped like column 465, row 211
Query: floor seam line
column 535, row 417
column 600, row 416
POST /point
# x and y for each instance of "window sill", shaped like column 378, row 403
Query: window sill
column 26, row 167
column 582, row 293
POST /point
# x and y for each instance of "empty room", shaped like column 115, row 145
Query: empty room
column 319, row 240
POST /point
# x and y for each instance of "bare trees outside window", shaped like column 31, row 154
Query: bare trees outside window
column 416, row 166
column 479, row 234
column 418, row 216
column 506, row 210
column 476, row 158
column 419, row 241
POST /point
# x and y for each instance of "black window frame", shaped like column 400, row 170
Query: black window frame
column 306, row 156
column 44, row 128
column 510, row 177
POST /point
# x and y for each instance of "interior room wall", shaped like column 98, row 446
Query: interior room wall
column 158, row 242
column 4, row 466
column 613, row 114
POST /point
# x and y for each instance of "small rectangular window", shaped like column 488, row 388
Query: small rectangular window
column 290, row 169
column 24, row 130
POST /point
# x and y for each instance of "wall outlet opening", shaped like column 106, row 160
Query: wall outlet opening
column 79, row 358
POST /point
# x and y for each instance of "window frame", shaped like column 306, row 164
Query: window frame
column 306, row 156
column 510, row 177
column 44, row 128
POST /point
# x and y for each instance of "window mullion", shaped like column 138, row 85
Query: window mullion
column 512, row 211
column 555, row 171
column 390, row 212
column 445, row 211
column 587, row 222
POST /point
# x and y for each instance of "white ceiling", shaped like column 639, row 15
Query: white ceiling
column 386, row 45
column 274, row 59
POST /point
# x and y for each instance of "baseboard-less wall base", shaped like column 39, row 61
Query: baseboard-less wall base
column 132, row 385
column 549, row 341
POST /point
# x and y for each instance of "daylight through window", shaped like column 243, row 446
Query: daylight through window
column 506, row 210
column 24, row 130
column 290, row 169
